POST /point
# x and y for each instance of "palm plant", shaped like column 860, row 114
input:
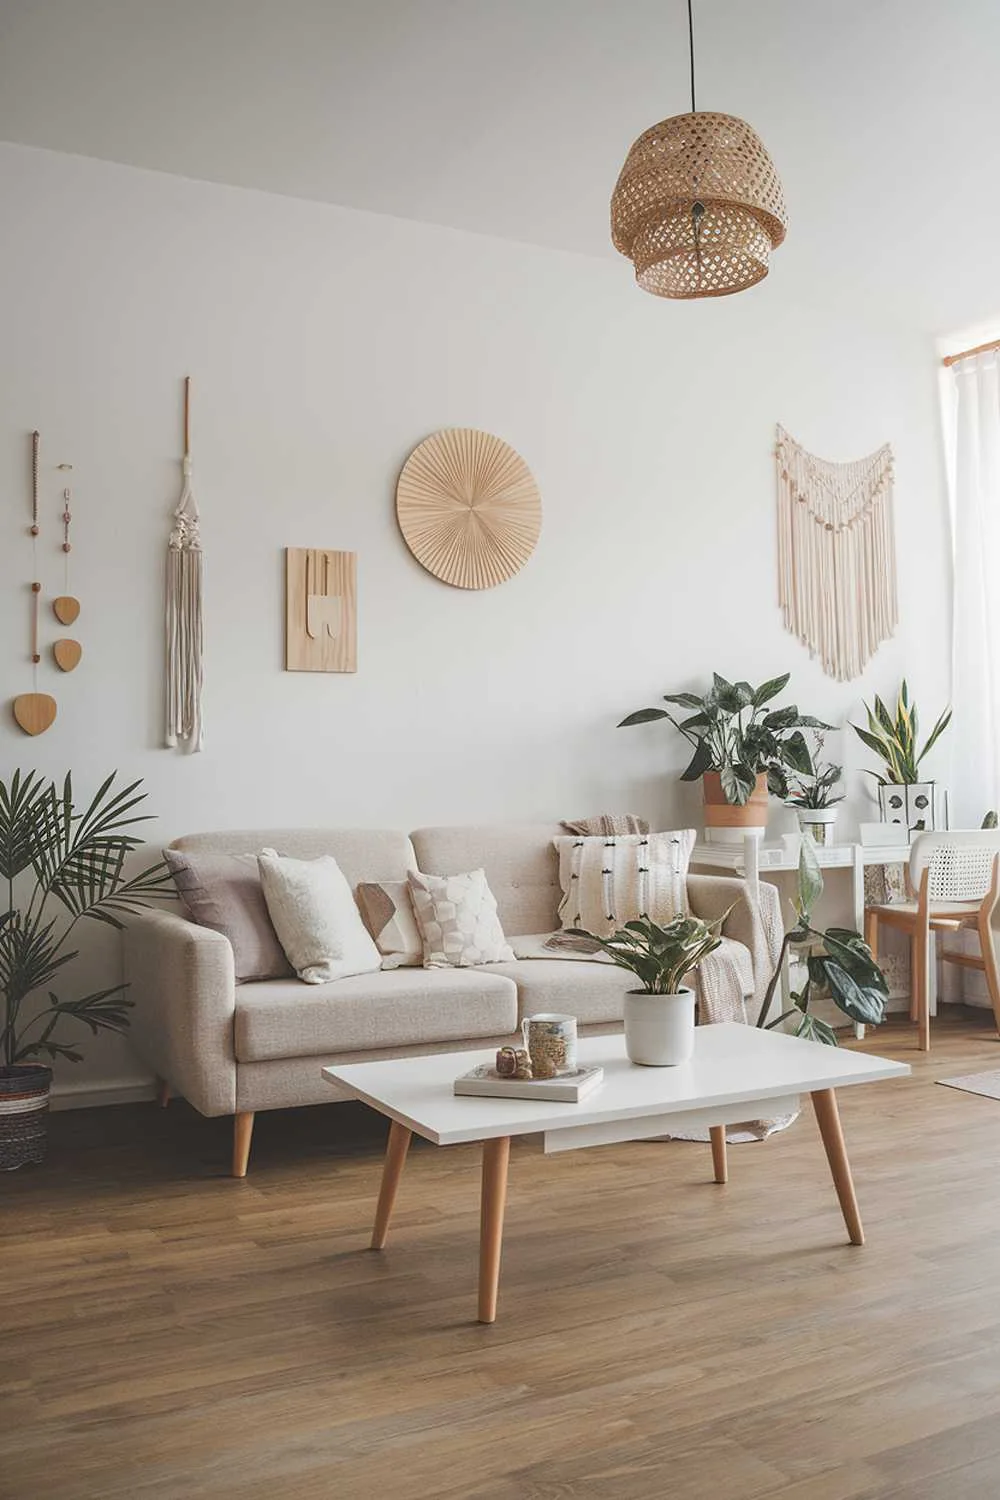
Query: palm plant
column 839, row 963
column 735, row 733
column 894, row 738
column 660, row 957
column 63, row 866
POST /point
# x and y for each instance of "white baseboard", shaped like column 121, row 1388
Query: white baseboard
column 108, row 1091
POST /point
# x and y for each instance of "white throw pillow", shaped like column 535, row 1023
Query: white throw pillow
column 458, row 921
column 608, row 881
column 313, row 912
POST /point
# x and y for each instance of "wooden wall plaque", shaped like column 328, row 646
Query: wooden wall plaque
column 321, row 610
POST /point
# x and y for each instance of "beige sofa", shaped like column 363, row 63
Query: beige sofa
column 234, row 1049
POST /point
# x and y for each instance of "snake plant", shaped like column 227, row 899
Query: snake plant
column 893, row 737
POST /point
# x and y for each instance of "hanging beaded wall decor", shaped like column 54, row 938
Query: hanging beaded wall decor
column 836, row 555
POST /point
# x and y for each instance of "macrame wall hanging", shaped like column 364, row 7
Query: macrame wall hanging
column 836, row 555
column 184, row 609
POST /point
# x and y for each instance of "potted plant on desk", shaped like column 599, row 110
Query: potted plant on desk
column 903, row 797
column 61, row 865
column 660, row 1017
column 743, row 750
column 814, row 796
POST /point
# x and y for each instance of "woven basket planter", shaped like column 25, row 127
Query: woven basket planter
column 24, row 1109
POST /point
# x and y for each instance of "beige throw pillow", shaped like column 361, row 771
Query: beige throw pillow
column 607, row 882
column 458, row 921
column 387, row 911
column 316, row 919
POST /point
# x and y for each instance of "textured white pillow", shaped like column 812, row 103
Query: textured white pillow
column 313, row 912
column 458, row 921
column 610, row 880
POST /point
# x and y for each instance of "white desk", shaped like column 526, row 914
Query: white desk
column 753, row 859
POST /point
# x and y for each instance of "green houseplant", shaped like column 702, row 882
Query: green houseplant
column 743, row 748
column 838, row 964
column 659, row 1016
column 894, row 739
column 814, row 796
column 62, row 865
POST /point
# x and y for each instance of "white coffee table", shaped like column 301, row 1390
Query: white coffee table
column 737, row 1073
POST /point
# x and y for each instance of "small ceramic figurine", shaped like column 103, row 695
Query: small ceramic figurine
column 523, row 1063
column 507, row 1062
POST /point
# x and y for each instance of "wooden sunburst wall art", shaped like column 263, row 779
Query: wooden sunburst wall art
column 469, row 508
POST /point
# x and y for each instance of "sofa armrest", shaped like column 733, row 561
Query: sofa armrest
column 182, row 980
column 754, row 921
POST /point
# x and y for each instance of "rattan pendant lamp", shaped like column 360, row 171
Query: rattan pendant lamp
column 698, row 206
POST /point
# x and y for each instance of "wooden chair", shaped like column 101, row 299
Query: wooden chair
column 954, row 882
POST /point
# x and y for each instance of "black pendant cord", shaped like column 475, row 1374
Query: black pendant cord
column 691, row 51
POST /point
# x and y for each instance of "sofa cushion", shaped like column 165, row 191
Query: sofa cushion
column 362, row 853
column 391, row 1008
column 316, row 918
column 593, row 989
column 610, row 880
column 574, row 987
column 520, row 861
column 223, row 892
column 457, row 917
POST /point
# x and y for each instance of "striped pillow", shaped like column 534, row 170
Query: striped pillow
column 607, row 882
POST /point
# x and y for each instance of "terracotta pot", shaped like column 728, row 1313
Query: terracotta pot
column 724, row 817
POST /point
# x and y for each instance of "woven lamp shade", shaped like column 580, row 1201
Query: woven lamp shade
column 698, row 207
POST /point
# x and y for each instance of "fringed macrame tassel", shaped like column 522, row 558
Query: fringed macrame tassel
column 836, row 555
column 184, row 629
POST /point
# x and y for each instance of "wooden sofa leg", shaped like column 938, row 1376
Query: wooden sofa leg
column 242, row 1131
column 162, row 1092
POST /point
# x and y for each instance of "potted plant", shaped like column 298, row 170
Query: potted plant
column 743, row 749
column 62, row 865
column 903, row 797
column 838, row 964
column 814, row 797
column 659, row 1017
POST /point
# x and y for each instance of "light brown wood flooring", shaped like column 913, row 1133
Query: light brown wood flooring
column 167, row 1333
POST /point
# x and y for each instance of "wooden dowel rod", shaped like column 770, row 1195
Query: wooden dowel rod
column 951, row 359
column 187, row 416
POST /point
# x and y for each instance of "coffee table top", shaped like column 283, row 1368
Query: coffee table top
column 732, row 1064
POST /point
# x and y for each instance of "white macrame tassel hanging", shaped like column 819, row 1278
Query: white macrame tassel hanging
column 836, row 555
column 184, row 610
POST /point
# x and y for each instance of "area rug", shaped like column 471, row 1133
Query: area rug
column 976, row 1083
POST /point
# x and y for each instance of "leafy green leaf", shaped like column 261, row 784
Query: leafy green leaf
column 738, row 782
column 644, row 716
column 812, row 1029
column 861, row 1004
column 795, row 753
column 770, row 689
column 685, row 700
column 700, row 762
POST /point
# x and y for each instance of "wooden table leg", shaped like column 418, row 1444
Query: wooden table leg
column 496, row 1156
column 828, row 1119
column 719, row 1162
column 392, row 1171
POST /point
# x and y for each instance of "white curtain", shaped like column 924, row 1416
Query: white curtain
column 976, row 669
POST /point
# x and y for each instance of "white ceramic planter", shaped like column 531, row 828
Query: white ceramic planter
column 659, row 1029
column 818, row 822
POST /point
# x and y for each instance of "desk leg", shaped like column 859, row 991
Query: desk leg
column 719, row 1162
column 496, row 1157
column 858, row 875
column 392, row 1171
column 824, row 1102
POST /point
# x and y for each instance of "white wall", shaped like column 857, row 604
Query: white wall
column 324, row 344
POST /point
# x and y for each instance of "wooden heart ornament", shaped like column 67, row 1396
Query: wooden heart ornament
column 65, row 609
column 67, row 654
column 35, row 712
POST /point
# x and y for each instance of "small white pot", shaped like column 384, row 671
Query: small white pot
column 817, row 822
column 659, row 1029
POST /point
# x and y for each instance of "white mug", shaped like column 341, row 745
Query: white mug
column 550, row 1040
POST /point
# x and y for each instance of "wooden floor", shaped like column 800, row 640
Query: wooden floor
column 167, row 1333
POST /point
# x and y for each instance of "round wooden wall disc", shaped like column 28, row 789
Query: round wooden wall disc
column 67, row 654
column 65, row 609
column 468, row 508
